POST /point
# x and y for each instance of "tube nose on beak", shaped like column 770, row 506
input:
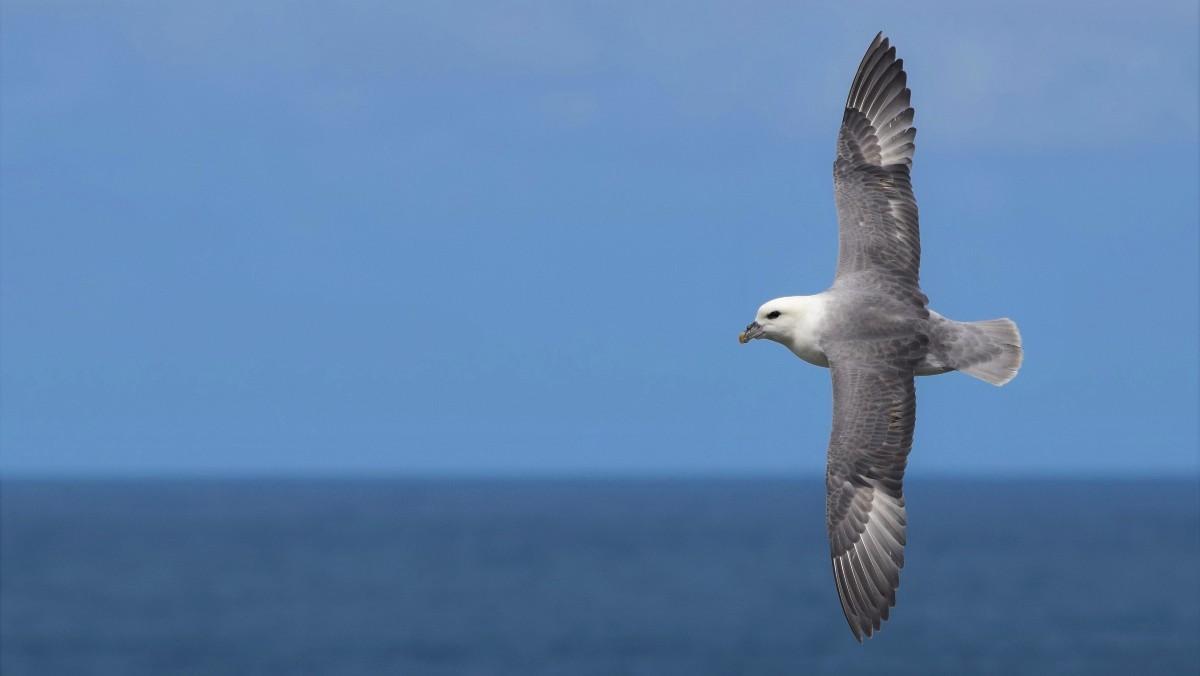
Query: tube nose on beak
column 754, row 330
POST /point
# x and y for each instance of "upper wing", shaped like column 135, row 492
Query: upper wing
column 874, row 412
column 877, row 213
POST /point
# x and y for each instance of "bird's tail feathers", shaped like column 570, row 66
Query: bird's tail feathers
column 998, row 355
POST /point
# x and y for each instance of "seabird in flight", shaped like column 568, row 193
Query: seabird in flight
column 874, row 330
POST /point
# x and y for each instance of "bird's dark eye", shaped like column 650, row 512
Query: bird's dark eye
column 773, row 314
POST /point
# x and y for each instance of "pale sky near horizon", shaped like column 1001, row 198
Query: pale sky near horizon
column 399, row 237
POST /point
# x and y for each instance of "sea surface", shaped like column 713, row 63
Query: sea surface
column 579, row 577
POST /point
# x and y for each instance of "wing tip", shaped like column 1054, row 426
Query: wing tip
column 879, row 56
column 878, row 44
column 862, row 618
column 880, row 105
column 867, row 575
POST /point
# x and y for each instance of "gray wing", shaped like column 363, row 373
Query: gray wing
column 877, row 213
column 874, row 413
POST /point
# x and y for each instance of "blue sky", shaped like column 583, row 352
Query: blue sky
column 404, row 237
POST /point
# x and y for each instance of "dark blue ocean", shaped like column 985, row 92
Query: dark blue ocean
column 526, row 577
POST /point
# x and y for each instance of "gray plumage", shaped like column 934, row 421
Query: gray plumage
column 874, row 331
column 875, row 339
column 989, row 350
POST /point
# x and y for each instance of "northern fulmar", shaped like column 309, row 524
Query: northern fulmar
column 874, row 331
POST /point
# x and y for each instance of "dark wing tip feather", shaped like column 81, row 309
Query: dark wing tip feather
column 878, row 44
column 880, row 97
column 866, row 583
column 866, row 537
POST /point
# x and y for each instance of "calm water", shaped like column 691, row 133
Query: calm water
column 661, row 578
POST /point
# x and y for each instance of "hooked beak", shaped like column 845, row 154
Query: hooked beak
column 755, row 330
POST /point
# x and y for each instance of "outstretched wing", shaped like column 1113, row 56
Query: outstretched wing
column 877, row 213
column 874, row 412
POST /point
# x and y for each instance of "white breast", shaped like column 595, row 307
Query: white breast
column 809, row 352
column 805, row 335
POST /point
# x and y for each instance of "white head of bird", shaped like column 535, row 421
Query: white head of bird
column 791, row 321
